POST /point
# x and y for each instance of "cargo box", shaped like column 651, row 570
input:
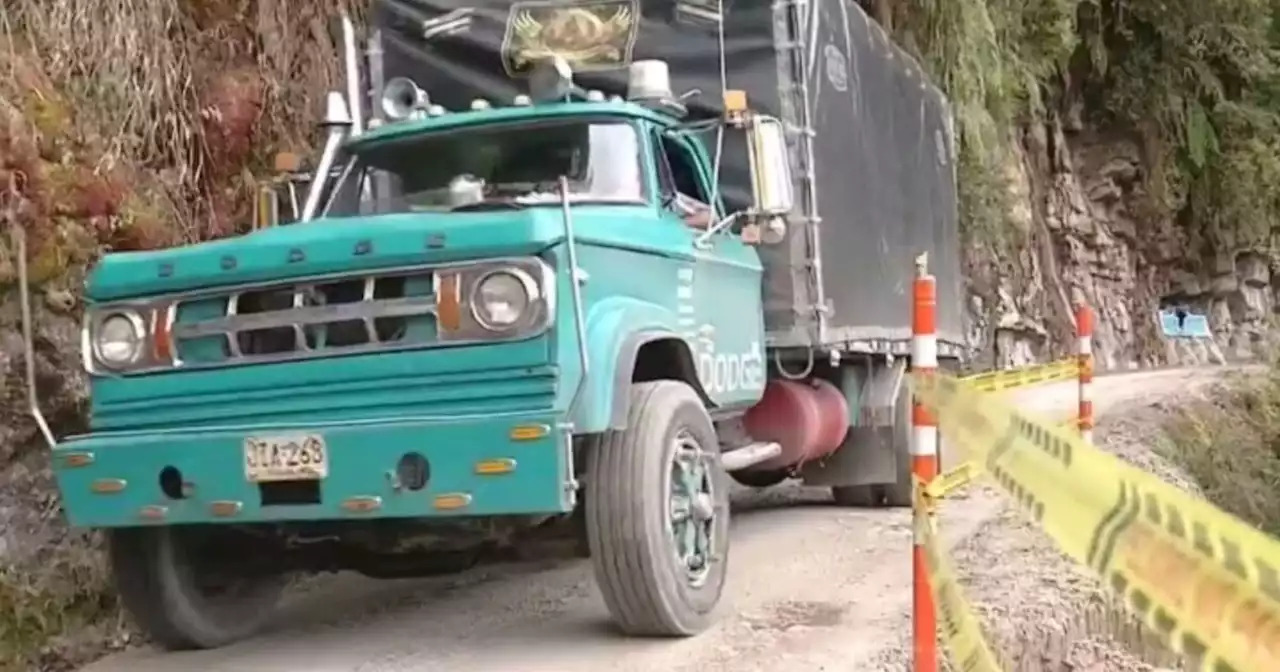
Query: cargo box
column 875, row 178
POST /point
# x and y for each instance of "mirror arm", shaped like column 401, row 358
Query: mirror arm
column 702, row 239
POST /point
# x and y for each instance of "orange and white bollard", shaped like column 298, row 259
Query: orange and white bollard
column 924, row 461
column 1084, row 336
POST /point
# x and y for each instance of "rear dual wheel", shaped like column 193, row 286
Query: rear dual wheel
column 899, row 493
column 657, row 514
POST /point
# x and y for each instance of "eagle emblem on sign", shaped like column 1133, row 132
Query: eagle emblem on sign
column 595, row 35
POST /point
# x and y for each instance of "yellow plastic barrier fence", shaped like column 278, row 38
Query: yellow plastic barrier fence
column 1205, row 582
column 957, row 623
column 1035, row 374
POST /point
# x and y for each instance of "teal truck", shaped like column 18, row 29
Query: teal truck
column 561, row 272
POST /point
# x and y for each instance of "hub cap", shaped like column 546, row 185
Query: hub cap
column 692, row 509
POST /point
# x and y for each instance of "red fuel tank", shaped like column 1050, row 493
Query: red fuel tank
column 808, row 418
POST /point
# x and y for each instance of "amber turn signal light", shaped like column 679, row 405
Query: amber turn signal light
column 449, row 301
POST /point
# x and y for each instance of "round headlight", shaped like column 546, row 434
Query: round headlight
column 118, row 339
column 501, row 299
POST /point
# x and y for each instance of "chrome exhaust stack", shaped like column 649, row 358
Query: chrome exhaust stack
column 351, row 67
column 338, row 123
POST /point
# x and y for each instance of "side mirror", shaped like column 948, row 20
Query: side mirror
column 772, row 197
column 266, row 212
column 770, row 168
column 287, row 162
column 277, row 200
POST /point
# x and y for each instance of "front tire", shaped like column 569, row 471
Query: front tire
column 180, row 599
column 657, row 510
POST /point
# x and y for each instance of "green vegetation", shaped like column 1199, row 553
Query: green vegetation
column 60, row 617
column 188, row 115
column 1195, row 82
column 1230, row 445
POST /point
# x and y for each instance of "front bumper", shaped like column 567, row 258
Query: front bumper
column 478, row 466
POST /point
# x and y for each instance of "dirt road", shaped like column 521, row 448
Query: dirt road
column 812, row 587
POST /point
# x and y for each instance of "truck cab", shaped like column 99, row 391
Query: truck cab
column 482, row 322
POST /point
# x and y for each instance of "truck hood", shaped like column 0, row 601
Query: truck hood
column 322, row 246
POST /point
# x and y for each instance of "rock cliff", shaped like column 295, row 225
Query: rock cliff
column 1084, row 231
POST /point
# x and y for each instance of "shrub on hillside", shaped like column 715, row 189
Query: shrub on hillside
column 1229, row 443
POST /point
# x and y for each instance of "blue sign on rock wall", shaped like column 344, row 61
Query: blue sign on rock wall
column 1193, row 326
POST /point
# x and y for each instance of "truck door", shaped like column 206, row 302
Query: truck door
column 718, row 302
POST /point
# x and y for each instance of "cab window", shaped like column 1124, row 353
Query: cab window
column 681, row 171
column 682, row 190
column 519, row 162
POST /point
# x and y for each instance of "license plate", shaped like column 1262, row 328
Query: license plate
column 285, row 458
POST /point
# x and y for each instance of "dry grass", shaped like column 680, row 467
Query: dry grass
column 176, row 104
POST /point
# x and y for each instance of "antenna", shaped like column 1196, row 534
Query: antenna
column 724, row 87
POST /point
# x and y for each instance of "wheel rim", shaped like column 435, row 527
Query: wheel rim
column 691, row 509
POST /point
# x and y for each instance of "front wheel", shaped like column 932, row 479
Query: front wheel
column 658, row 514
column 182, row 597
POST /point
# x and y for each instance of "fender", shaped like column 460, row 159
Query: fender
column 616, row 330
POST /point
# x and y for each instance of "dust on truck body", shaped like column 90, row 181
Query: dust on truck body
column 490, row 333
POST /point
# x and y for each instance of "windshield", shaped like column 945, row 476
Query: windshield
column 511, row 165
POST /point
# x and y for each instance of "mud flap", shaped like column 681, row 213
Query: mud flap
column 867, row 457
column 870, row 452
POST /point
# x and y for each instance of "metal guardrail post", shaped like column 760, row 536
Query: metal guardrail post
column 1084, row 334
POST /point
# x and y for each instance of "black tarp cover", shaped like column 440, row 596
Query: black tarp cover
column 882, row 153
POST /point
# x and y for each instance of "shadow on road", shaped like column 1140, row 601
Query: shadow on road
column 319, row 605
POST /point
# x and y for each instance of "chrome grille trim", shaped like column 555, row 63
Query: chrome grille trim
column 233, row 306
column 302, row 315
column 306, row 307
column 236, row 318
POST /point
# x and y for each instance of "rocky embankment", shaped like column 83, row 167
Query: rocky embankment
column 1086, row 232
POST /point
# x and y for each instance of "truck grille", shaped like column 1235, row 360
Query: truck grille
column 320, row 318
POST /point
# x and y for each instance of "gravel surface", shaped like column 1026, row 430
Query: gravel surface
column 1045, row 612
column 812, row 587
